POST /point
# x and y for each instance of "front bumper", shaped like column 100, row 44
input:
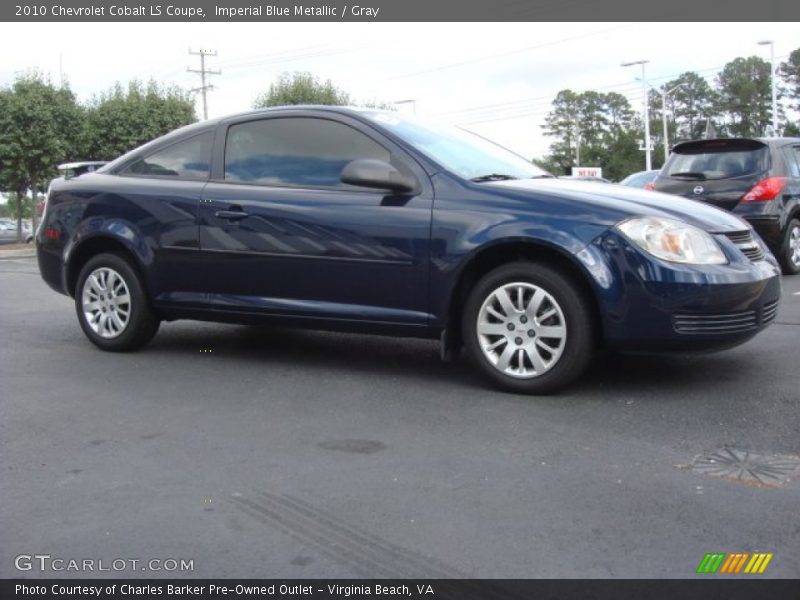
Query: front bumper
column 657, row 306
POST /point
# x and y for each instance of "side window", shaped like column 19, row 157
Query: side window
column 295, row 151
column 188, row 159
column 793, row 160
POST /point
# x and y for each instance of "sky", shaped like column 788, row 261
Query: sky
column 497, row 79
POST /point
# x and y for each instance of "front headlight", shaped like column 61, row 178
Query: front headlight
column 673, row 240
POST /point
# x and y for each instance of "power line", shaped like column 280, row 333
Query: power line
column 509, row 53
column 204, row 87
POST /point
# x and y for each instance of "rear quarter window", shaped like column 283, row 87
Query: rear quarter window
column 792, row 157
column 187, row 159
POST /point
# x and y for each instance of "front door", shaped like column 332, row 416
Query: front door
column 280, row 233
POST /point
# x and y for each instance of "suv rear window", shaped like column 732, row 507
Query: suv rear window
column 718, row 159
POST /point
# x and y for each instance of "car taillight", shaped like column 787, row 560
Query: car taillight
column 764, row 190
column 650, row 185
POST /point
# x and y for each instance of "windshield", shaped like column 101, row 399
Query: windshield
column 459, row 151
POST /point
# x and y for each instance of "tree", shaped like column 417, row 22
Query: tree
column 790, row 72
column 121, row 119
column 302, row 88
column 563, row 123
column 745, row 96
column 692, row 104
column 594, row 125
column 40, row 127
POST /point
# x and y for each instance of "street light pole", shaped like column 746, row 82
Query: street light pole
column 648, row 163
column 664, row 119
column 773, row 83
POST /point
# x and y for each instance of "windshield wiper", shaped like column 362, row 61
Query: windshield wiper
column 689, row 174
column 492, row 177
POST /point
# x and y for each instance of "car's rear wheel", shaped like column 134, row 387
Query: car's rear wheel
column 790, row 252
column 528, row 328
column 112, row 306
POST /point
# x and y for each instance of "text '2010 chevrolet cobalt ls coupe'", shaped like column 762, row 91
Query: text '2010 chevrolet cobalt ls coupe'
column 371, row 221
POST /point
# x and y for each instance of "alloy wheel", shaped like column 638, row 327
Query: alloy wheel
column 794, row 245
column 521, row 330
column 106, row 302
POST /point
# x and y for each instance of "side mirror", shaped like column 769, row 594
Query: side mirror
column 376, row 174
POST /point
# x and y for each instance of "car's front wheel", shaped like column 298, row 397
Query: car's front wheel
column 529, row 328
column 790, row 252
column 112, row 306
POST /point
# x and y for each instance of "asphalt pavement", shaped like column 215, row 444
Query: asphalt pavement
column 292, row 454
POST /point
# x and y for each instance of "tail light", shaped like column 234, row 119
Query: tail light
column 650, row 186
column 764, row 190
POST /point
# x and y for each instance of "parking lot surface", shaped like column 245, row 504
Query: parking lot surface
column 293, row 454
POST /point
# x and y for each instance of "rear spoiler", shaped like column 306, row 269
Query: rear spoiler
column 718, row 145
column 74, row 169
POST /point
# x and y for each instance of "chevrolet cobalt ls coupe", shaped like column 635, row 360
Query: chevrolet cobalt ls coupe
column 370, row 221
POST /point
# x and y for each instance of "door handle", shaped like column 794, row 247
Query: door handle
column 234, row 213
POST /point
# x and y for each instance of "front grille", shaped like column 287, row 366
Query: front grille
column 721, row 323
column 770, row 311
column 737, row 322
column 746, row 244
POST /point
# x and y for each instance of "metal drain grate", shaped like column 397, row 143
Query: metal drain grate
column 745, row 467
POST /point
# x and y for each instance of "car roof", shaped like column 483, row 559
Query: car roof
column 351, row 110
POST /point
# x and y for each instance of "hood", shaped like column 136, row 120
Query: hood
column 619, row 202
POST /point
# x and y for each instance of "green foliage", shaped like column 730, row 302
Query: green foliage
column 302, row 88
column 790, row 72
column 42, row 125
column 121, row 119
column 691, row 105
column 39, row 127
column 745, row 96
column 592, row 123
column 740, row 104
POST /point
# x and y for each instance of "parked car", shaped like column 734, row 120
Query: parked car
column 756, row 179
column 8, row 231
column 362, row 220
column 642, row 179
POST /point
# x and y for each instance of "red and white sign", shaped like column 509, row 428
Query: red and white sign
column 587, row 171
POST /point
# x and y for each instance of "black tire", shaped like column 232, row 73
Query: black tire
column 789, row 256
column 141, row 324
column 573, row 311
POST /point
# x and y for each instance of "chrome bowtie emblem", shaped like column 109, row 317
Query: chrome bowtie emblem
column 698, row 189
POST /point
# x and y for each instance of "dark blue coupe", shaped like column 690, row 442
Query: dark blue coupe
column 371, row 221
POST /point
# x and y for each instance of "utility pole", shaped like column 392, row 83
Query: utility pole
column 202, row 53
column 664, row 119
column 577, row 144
column 772, row 74
column 648, row 163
